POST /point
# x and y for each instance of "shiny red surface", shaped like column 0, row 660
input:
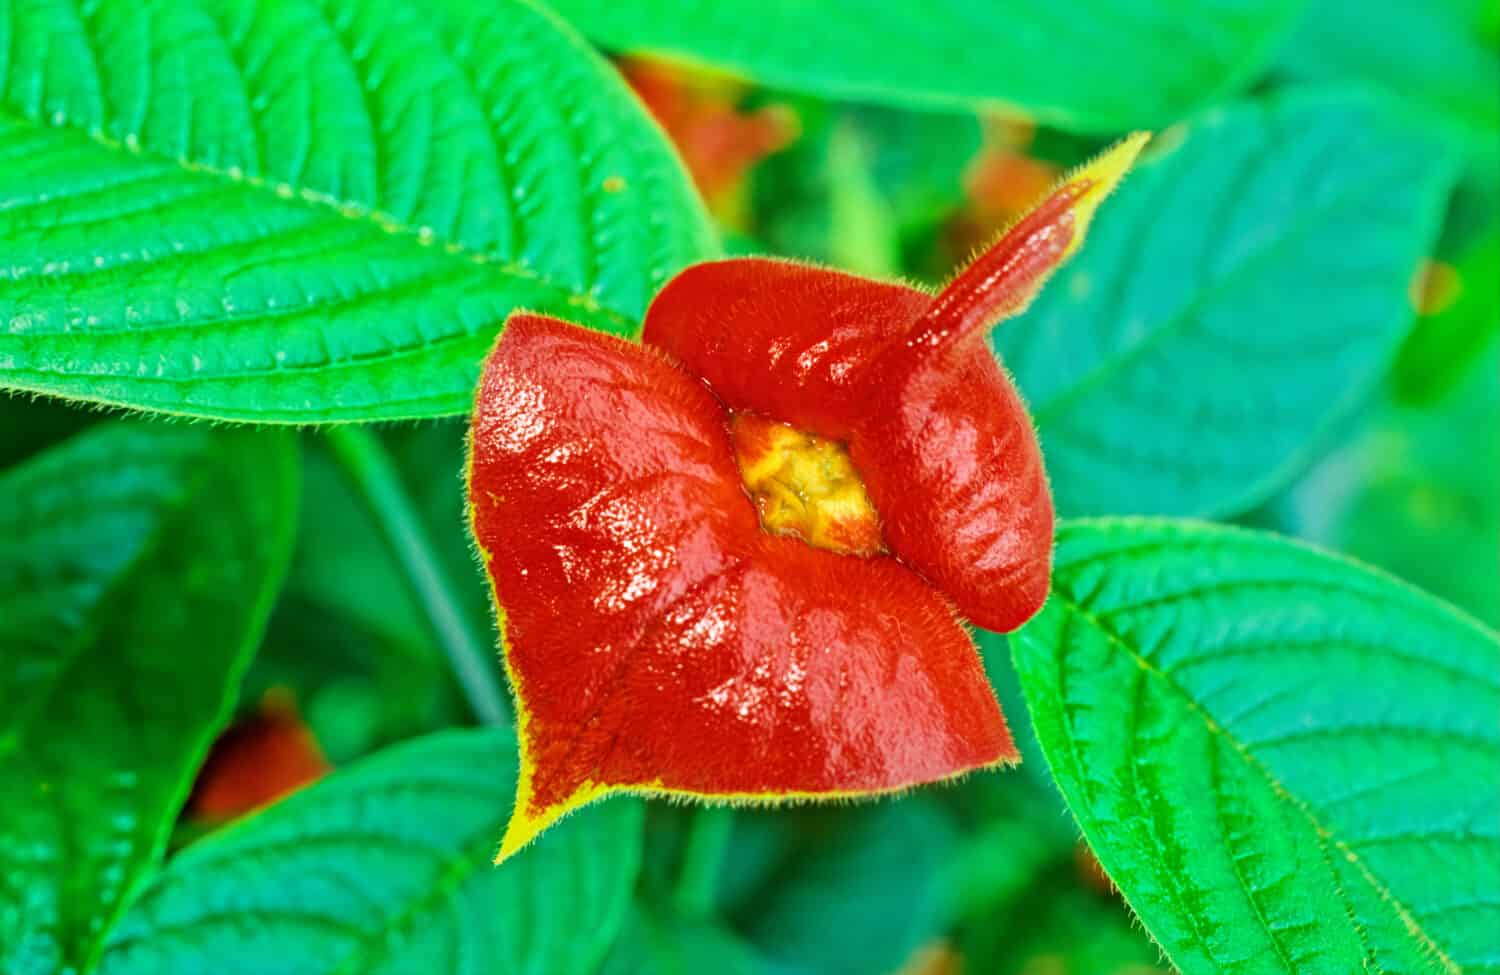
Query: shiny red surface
column 934, row 425
column 786, row 340
column 656, row 636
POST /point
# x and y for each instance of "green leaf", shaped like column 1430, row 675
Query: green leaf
column 1237, row 298
column 862, row 891
column 1094, row 66
column 1287, row 762
column 1014, row 825
column 288, row 212
column 1414, row 492
column 348, row 636
column 1059, row 927
column 138, row 563
column 659, row 942
column 1431, row 54
column 385, row 867
column 1446, row 344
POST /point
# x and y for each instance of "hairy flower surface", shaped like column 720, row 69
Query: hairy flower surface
column 731, row 561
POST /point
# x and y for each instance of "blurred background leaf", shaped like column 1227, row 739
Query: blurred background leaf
column 349, row 637
column 138, row 563
column 1244, row 292
column 1413, row 490
column 1440, row 58
column 1082, row 68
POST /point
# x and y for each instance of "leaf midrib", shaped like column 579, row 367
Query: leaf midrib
column 1425, row 942
column 357, row 213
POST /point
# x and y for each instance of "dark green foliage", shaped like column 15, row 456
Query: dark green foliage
column 138, row 563
column 285, row 211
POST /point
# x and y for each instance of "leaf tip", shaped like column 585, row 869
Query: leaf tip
column 529, row 819
column 1099, row 177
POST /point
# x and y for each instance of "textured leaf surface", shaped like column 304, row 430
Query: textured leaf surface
column 1078, row 67
column 137, row 567
column 1238, row 297
column 309, row 211
column 1287, row 762
column 386, row 868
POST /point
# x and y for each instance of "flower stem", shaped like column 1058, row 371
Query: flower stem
column 707, row 842
column 369, row 466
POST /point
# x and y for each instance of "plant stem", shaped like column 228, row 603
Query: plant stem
column 702, row 858
column 370, row 467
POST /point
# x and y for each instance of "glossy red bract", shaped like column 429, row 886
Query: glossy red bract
column 657, row 637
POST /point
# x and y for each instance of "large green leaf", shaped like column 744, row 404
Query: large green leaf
column 1236, row 299
column 1287, row 762
column 386, row 868
column 305, row 211
column 138, row 563
column 1431, row 54
column 1100, row 65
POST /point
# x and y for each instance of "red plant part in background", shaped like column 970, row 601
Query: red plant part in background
column 718, row 141
column 256, row 761
column 1001, row 183
column 731, row 561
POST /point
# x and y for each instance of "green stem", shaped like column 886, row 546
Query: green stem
column 703, row 858
column 370, row 467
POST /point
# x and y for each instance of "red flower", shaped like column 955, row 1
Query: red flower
column 730, row 561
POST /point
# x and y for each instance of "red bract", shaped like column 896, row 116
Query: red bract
column 731, row 561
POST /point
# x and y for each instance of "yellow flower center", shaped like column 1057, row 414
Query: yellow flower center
column 805, row 486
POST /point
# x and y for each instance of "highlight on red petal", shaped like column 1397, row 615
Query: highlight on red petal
column 952, row 464
column 947, row 449
column 781, row 339
column 256, row 761
column 657, row 639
